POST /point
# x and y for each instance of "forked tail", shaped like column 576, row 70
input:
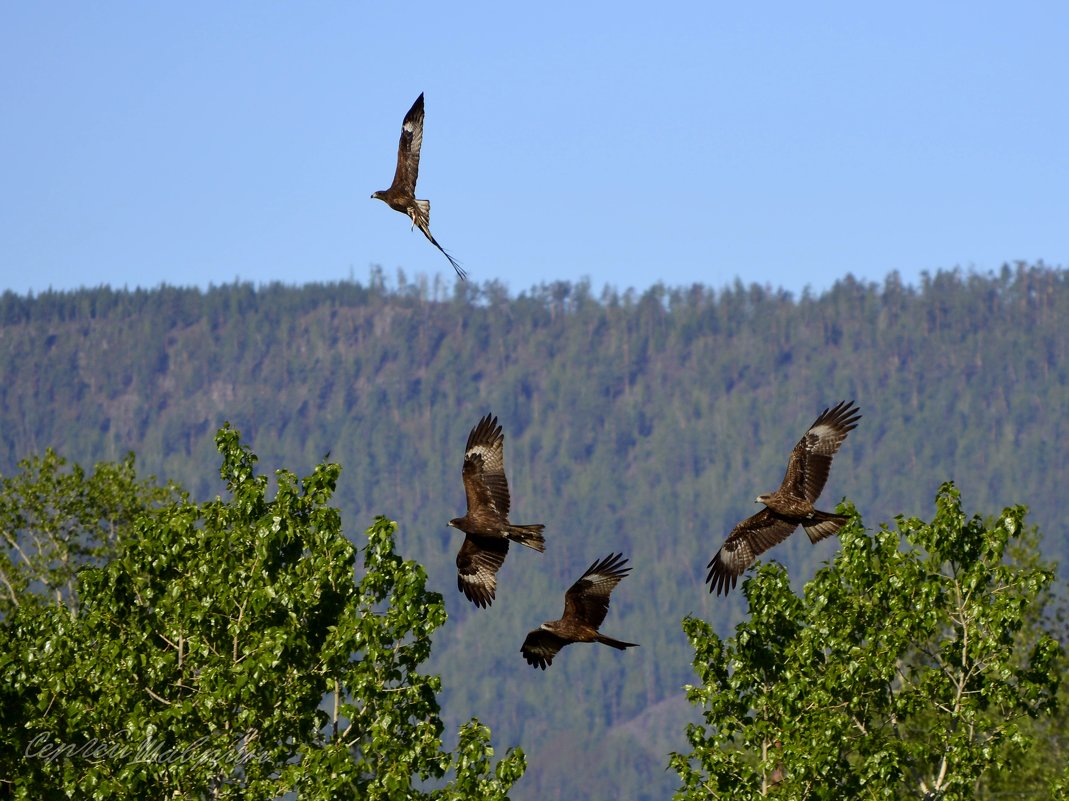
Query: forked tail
column 424, row 207
column 531, row 536
column 823, row 524
column 618, row 644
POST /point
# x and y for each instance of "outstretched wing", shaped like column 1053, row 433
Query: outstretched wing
column 540, row 647
column 485, row 485
column 807, row 469
column 404, row 178
column 587, row 601
column 748, row 540
column 478, row 561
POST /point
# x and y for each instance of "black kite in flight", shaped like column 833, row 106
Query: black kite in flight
column 585, row 606
column 401, row 196
column 792, row 504
column 487, row 523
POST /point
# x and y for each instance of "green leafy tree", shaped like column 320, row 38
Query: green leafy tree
column 55, row 520
column 227, row 651
column 901, row 673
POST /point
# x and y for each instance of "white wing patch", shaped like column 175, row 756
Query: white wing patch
column 491, row 456
column 824, row 440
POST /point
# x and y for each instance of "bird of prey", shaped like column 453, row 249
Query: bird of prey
column 486, row 525
column 792, row 504
column 585, row 606
column 401, row 196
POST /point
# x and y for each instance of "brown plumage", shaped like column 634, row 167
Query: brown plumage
column 401, row 196
column 487, row 523
column 792, row 504
column 585, row 606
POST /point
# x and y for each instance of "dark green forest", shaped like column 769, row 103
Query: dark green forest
column 644, row 423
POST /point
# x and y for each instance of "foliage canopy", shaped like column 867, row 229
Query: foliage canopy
column 226, row 651
column 903, row 672
column 55, row 520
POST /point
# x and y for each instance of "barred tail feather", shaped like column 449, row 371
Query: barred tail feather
column 822, row 525
column 531, row 536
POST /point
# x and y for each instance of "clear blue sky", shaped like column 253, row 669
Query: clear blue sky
column 784, row 143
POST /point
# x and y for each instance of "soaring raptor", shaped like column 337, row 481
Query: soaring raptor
column 792, row 504
column 585, row 606
column 487, row 523
column 401, row 196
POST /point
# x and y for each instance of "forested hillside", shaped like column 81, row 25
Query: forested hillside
column 642, row 423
